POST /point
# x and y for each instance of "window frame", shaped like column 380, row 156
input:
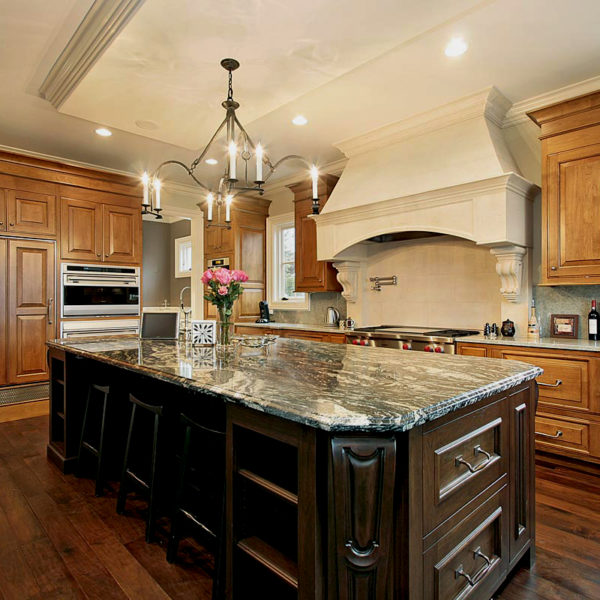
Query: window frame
column 274, row 226
column 179, row 242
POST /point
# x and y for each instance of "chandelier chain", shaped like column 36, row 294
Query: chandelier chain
column 230, row 88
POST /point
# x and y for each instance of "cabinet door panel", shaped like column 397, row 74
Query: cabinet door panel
column 121, row 234
column 574, row 212
column 3, row 320
column 30, row 309
column 252, row 254
column 2, row 210
column 30, row 212
column 81, row 229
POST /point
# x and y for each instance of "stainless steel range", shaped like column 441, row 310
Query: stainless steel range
column 428, row 339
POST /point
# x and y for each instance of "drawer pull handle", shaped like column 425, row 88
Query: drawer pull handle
column 459, row 460
column 556, row 384
column 473, row 580
column 549, row 435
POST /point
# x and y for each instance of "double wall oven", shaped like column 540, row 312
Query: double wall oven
column 99, row 291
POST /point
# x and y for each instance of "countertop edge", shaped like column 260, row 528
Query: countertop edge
column 293, row 327
column 578, row 344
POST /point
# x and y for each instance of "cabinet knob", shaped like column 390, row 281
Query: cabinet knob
column 553, row 268
column 12, row 224
column 106, row 255
column 1, row 223
column 98, row 254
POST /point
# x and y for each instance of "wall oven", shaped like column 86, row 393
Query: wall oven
column 99, row 290
column 99, row 327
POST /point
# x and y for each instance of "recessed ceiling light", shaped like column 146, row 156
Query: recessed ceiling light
column 211, row 161
column 299, row 120
column 456, row 46
column 104, row 132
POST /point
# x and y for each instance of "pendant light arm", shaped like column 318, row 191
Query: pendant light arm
column 284, row 159
column 206, row 148
column 184, row 166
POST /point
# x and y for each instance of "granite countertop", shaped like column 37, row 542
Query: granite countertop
column 335, row 387
column 544, row 342
column 296, row 326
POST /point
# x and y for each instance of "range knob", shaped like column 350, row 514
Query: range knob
column 428, row 349
column 406, row 346
column 364, row 342
column 439, row 349
column 355, row 342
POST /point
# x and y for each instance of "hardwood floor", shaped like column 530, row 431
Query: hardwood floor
column 58, row 541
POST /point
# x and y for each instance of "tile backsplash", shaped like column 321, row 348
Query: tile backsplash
column 318, row 310
column 565, row 300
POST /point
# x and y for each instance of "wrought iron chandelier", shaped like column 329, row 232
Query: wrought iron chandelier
column 236, row 178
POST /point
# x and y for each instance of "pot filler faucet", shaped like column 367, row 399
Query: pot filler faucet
column 186, row 312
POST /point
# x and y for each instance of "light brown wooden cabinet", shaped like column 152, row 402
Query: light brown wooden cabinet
column 244, row 247
column 313, row 336
column 27, row 312
column 568, row 413
column 100, row 227
column 312, row 275
column 570, row 134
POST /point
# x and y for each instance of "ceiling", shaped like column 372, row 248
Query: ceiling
column 349, row 66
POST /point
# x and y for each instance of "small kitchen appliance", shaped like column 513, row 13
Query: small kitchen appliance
column 332, row 318
column 265, row 317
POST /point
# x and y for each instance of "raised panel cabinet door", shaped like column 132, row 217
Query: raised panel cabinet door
column 310, row 273
column 3, row 320
column 573, row 204
column 30, row 212
column 31, row 309
column 252, row 254
column 2, row 210
column 81, row 229
column 121, row 233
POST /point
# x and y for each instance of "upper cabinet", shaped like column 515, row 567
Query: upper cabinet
column 100, row 227
column 27, row 207
column 570, row 134
column 312, row 275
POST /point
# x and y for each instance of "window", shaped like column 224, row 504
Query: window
column 183, row 256
column 281, row 254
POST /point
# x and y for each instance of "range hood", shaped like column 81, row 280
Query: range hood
column 448, row 171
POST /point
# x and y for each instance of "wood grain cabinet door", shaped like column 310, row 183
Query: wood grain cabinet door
column 3, row 320
column 122, row 234
column 81, row 229
column 30, row 212
column 573, row 203
column 2, row 210
column 31, row 309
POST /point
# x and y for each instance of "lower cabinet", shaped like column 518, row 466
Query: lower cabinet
column 311, row 336
column 568, row 412
column 27, row 320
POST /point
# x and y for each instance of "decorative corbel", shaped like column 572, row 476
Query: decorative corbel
column 509, row 267
column 348, row 276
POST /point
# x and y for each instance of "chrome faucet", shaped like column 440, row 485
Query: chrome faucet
column 185, row 312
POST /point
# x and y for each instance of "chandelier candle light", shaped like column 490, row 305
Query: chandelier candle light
column 235, row 180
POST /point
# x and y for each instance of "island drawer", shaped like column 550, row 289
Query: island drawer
column 575, row 436
column 472, row 558
column 464, row 456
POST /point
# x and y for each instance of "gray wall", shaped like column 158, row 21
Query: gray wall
column 160, row 283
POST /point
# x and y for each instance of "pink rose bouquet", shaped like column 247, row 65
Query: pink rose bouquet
column 224, row 288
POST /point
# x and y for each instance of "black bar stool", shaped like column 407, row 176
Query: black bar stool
column 199, row 493
column 140, row 473
column 96, row 446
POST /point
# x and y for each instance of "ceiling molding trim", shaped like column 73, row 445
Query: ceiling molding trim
column 489, row 103
column 518, row 112
column 100, row 26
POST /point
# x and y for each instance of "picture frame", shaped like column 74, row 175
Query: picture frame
column 564, row 326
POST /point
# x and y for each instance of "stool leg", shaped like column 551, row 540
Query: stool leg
column 153, row 483
column 83, row 428
column 174, row 535
column 122, row 496
column 100, row 466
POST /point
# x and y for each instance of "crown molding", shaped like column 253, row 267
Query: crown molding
column 489, row 103
column 96, row 32
column 518, row 112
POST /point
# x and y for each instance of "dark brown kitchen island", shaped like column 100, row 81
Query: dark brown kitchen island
column 351, row 473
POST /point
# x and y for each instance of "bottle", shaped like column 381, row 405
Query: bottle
column 593, row 318
column 533, row 328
